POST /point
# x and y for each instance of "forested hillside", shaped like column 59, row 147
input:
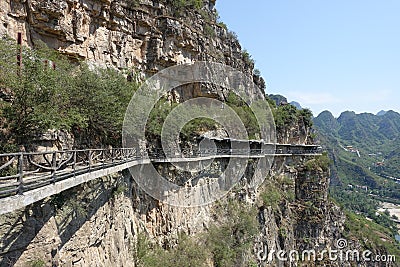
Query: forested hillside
column 364, row 149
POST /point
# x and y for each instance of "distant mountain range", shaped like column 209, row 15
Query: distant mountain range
column 381, row 113
column 365, row 149
column 365, row 128
column 280, row 99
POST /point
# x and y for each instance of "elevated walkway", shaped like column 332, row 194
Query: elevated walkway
column 26, row 177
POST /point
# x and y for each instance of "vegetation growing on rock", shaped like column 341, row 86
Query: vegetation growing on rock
column 319, row 163
column 50, row 92
column 226, row 243
column 373, row 236
column 364, row 149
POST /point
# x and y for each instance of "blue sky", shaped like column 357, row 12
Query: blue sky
column 336, row 55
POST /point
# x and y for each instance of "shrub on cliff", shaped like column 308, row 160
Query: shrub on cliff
column 186, row 253
column 227, row 243
column 288, row 116
column 50, row 92
column 199, row 125
column 319, row 163
column 245, row 114
column 271, row 196
column 191, row 128
column 178, row 6
column 231, row 241
column 285, row 116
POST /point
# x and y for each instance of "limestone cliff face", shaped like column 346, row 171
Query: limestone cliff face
column 146, row 35
column 97, row 224
column 80, row 227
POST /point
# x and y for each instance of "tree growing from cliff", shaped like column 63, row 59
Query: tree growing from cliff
column 51, row 92
column 178, row 6
column 288, row 117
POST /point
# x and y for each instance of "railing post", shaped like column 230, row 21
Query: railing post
column 90, row 159
column 20, row 173
column 74, row 163
column 104, row 157
column 53, row 167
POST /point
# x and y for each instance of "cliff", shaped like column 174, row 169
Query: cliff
column 145, row 35
column 101, row 223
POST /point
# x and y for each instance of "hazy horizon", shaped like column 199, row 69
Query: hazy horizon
column 336, row 56
column 336, row 115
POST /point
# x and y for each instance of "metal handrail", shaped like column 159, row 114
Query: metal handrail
column 24, row 171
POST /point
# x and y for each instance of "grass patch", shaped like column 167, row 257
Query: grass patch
column 37, row 263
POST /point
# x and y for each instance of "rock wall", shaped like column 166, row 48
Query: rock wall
column 79, row 227
column 147, row 36
column 97, row 224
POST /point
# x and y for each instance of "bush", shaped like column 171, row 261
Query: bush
column 232, row 35
column 271, row 196
column 69, row 96
column 209, row 31
column 222, row 25
column 226, row 244
column 37, row 263
column 121, row 188
column 178, row 6
column 132, row 3
column 305, row 115
column 318, row 163
column 199, row 125
column 187, row 253
column 247, row 57
column 230, row 242
column 245, row 114
column 163, row 108
column 288, row 116
column 285, row 116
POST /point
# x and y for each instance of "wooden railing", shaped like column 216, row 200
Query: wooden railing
column 24, row 171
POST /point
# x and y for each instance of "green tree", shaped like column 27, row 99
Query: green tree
column 50, row 92
column 305, row 115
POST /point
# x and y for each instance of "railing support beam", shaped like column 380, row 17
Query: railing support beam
column 21, row 173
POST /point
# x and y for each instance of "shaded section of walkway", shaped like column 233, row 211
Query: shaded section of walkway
column 26, row 178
